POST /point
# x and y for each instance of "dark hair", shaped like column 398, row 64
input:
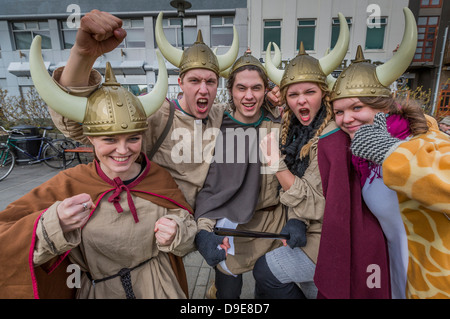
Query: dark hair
column 409, row 109
column 262, row 74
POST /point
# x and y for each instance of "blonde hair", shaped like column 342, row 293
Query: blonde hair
column 287, row 116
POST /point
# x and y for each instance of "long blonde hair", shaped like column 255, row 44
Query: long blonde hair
column 287, row 116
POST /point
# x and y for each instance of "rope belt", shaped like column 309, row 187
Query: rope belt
column 125, row 279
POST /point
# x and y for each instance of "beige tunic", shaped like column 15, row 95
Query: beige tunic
column 184, row 150
column 111, row 241
column 306, row 201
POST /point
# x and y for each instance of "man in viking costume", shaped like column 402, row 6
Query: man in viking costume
column 180, row 124
column 316, row 177
column 121, row 221
column 403, row 162
column 238, row 193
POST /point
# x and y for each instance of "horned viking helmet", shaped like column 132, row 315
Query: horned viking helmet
column 109, row 110
column 199, row 55
column 304, row 68
column 362, row 78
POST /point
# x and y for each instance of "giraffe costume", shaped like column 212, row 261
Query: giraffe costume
column 419, row 171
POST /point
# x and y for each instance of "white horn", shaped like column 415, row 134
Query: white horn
column 331, row 61
column 274, row 74
column 172, row 54
column 276, row 61
column 69, row 106
column 226, row 60
column 153, row 100
column 394, row 68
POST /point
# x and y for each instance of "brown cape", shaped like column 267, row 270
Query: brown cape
column 18, row 277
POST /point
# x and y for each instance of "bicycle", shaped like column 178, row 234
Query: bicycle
column 51, row 151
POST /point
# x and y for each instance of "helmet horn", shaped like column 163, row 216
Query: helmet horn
column 274, row 74
column 332, row 60
column 226, row 60
column 72, row 107
column 153, row 100
column 392, row 69
column 172, row 54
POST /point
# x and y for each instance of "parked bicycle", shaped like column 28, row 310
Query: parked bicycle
column 51, row 151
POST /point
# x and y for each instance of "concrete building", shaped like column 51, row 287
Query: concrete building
column 376, row 25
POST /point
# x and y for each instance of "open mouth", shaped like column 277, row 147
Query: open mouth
column 305, row 114
column 202, row 105
column 249, row 106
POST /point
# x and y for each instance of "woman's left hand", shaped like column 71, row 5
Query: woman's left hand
column 165, row 231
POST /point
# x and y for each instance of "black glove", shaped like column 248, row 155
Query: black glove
column 297, row 232
column 373, row 142
column 207, row 243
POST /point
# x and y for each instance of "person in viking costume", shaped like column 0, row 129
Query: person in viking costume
column 174, row 138
column 120, row 222
column 288, row 271
column 403, row 162
column 238, row 194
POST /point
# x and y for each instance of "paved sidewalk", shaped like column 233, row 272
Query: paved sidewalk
column 200, row 275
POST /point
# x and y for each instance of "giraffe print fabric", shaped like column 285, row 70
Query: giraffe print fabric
column 419, row 171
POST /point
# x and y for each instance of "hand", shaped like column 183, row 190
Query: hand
column 297, row 231
column 274, row 96
column 270, row 149
column 165, row 231
column 99, row 33
column 207, row 243
column 73, row 212
column 373, row 142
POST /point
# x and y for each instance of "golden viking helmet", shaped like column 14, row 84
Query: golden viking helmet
column 362, row 78
column 109, row 110
column 304, row 68
column 199, row 55
column 249, row 59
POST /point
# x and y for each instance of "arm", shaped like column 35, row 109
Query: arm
column 99, row 33
column 59, row 227
column 175, row 232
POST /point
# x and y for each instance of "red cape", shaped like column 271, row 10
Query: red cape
column 352, row 244
column 18, row 222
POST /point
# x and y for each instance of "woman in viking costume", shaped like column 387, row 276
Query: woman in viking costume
column 305, row 176
column 120, row 221
column 403, row 162
column 176, row 123
column 237, row 193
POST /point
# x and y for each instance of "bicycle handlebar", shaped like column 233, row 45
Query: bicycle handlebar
column 12, row 131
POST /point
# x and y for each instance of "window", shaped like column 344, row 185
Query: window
column 427, row 28
column 430, row 3
column 375, row 35
column 272, row 33
column 172, row 30
column 306, row 31
column 221, row 30
column 24, row 32
column 335, row 28
column 135, row 34
column 136, row 89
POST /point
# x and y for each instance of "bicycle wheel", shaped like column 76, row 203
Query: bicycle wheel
column 53, row 153
column 7, row 161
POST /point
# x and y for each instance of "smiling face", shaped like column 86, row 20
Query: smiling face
column 117, row 154
column 304, row 100
column 248, row 95
column 199, row 88
column 351, row 113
